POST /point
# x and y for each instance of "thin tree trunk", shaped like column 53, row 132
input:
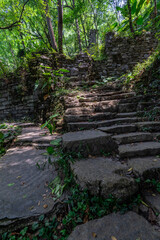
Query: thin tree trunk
column 95, row 21
column 78, row 31
column 60, row 26
column 155, row 8
column 78, row 36
column 130, row 17
column 84, row 31
column 50, row 28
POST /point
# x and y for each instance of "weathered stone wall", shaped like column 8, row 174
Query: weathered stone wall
column 122, row 54
column 19, row 100
column 80, row 68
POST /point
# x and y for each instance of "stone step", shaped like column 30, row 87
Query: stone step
column 118, row 129
column 127, row 107
column 133, row 137
column 101, row 93
column 91, row 104
column 116, row 226
column 145, row 167
column 89, row 117
column 110, row 106
column 126, row 115
column 98, row 116
column 91, row 125
column 92, row 109
column 135, row 99
column 139, row 149
column 117, row 121
column 79, row 111
column 107, row 97
column 78, row 126
column 91, row 142
column 99, row 102
column 35, row 136
column 145, row 105
column 104, row 176
column 149, row 126
column 95, row 96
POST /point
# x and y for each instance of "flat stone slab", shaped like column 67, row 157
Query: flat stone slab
column 133, row 137
column 23, row 190
column 117, row 121
column 19, row 124
column 76, row 126
column 130, row 226
column 147, row 167
column 149, row 126
column 126, row 128
column 90, row 117
column 35, row 135
column 153, row 200
column 139, row 149
column 103, row 176
column 89, row 142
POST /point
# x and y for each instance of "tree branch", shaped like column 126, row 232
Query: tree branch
column 67, row 6
column 15, row 24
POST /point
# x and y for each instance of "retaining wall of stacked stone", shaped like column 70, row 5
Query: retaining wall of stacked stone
column 123, row 53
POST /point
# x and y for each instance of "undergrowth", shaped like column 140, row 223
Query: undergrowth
column 7, row 137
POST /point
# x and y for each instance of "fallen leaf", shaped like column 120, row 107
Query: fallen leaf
column 94, row 235
column 129, row 170
column 46, row 184
column 10, row 184
column 22, row 183
column 86, row 218
column 113, row 238
column 145, row 204
column 45, row 206
column 46, row 96
column 39, row 203
column 18, row 177
column 31, row 207
column 24, row 196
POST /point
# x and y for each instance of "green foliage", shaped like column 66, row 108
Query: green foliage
column 56, row 187
column 51, row 123
column 2, row 149
column 154, row 183
column 152, row 115
column 141, row 13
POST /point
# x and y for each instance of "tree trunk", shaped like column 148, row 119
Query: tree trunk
column 130, row 16
column 60, row 26
column 155, row 8
column 84, row 31
column 78, row 36
column 95, row 20
column 78, row 31
column 50, row 28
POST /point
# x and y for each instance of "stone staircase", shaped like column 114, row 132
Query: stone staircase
column 117, row 143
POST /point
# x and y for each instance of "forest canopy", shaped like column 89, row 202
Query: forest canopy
column 65, row 26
